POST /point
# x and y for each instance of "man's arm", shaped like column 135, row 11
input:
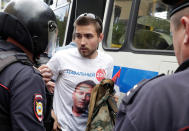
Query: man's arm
column 56, row 125
column 27, row 103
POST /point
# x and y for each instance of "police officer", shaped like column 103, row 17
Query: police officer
column 27, row 28
column 161, row 104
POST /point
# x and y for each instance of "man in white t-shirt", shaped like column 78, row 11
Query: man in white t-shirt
column 74, row 65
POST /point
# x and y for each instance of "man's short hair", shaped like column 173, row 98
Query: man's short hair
column 87, row 19
column 178, row 15
column 88, row 82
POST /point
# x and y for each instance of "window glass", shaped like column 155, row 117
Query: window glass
column 57, row 3
column 118, row 24
column 153, row 28
column 62, row 17
column 3, row 3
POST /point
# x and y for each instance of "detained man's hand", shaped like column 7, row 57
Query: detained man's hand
column 50, row 86
column 56, row 125
column 46, row 73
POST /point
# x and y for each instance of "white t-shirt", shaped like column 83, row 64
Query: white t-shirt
column 70, row 68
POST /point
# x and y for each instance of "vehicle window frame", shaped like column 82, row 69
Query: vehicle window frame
column 129, row 35
column 67, row 22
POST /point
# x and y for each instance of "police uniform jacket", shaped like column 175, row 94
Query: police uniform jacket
column 22, row 95
column 161, row 104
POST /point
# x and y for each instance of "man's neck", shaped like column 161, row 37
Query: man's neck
column 92, row 56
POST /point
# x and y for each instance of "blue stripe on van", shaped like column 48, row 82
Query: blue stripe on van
column 130, row 77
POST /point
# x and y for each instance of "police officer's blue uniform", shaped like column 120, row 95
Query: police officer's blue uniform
column 27, row 28
column 160, row 105
column 21, row 89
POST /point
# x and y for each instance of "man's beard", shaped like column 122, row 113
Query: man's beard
column 87, row 52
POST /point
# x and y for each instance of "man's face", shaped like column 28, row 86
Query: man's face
column 81, row 97
column 87, row 40
column 178, row 37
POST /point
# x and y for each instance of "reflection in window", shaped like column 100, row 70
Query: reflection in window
column 118, row 23
column 3, row 3
column 153, row 28
column 62, row 17
column 57, row 3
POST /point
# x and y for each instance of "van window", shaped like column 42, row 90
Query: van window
column 57, row 3
column 3, row 3
column 118, row 23
column 153, row 27
column 62, row 18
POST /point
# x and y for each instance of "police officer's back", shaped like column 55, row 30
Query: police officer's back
column 161, row 104
column 27, row 27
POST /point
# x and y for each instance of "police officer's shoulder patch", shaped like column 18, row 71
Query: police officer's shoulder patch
column 38, row 107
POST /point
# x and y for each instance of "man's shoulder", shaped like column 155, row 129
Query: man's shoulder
column 25, row 70
column 105, row 56
column 145, row 88
column 153, row 91
column 157, row 85
column 20, row 73
column 64, row 53
column 30, row 75
column 154, row 100
column 71, row 45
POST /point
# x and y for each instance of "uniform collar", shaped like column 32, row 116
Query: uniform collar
column 183, row 66
column 4, row 46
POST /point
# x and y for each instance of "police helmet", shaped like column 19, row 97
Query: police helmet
column 40, row 21
column 176, row 5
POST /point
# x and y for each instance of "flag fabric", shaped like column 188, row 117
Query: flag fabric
column 116, row 76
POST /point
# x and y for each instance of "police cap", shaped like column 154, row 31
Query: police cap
column 176, row 5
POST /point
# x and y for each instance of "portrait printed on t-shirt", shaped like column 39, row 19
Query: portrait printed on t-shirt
column 81, row 97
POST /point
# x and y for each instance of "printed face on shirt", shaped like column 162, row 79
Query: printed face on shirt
column 87, row 40
column 81, row 98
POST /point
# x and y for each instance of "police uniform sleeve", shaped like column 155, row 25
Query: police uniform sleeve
column 123, row 122
column 27, row 100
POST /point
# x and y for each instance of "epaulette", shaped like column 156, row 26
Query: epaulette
column 131, row 94
column 9, row 57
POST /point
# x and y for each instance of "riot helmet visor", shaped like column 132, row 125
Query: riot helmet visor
column 52, row 38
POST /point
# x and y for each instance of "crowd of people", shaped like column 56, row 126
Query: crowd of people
column 29, row 28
